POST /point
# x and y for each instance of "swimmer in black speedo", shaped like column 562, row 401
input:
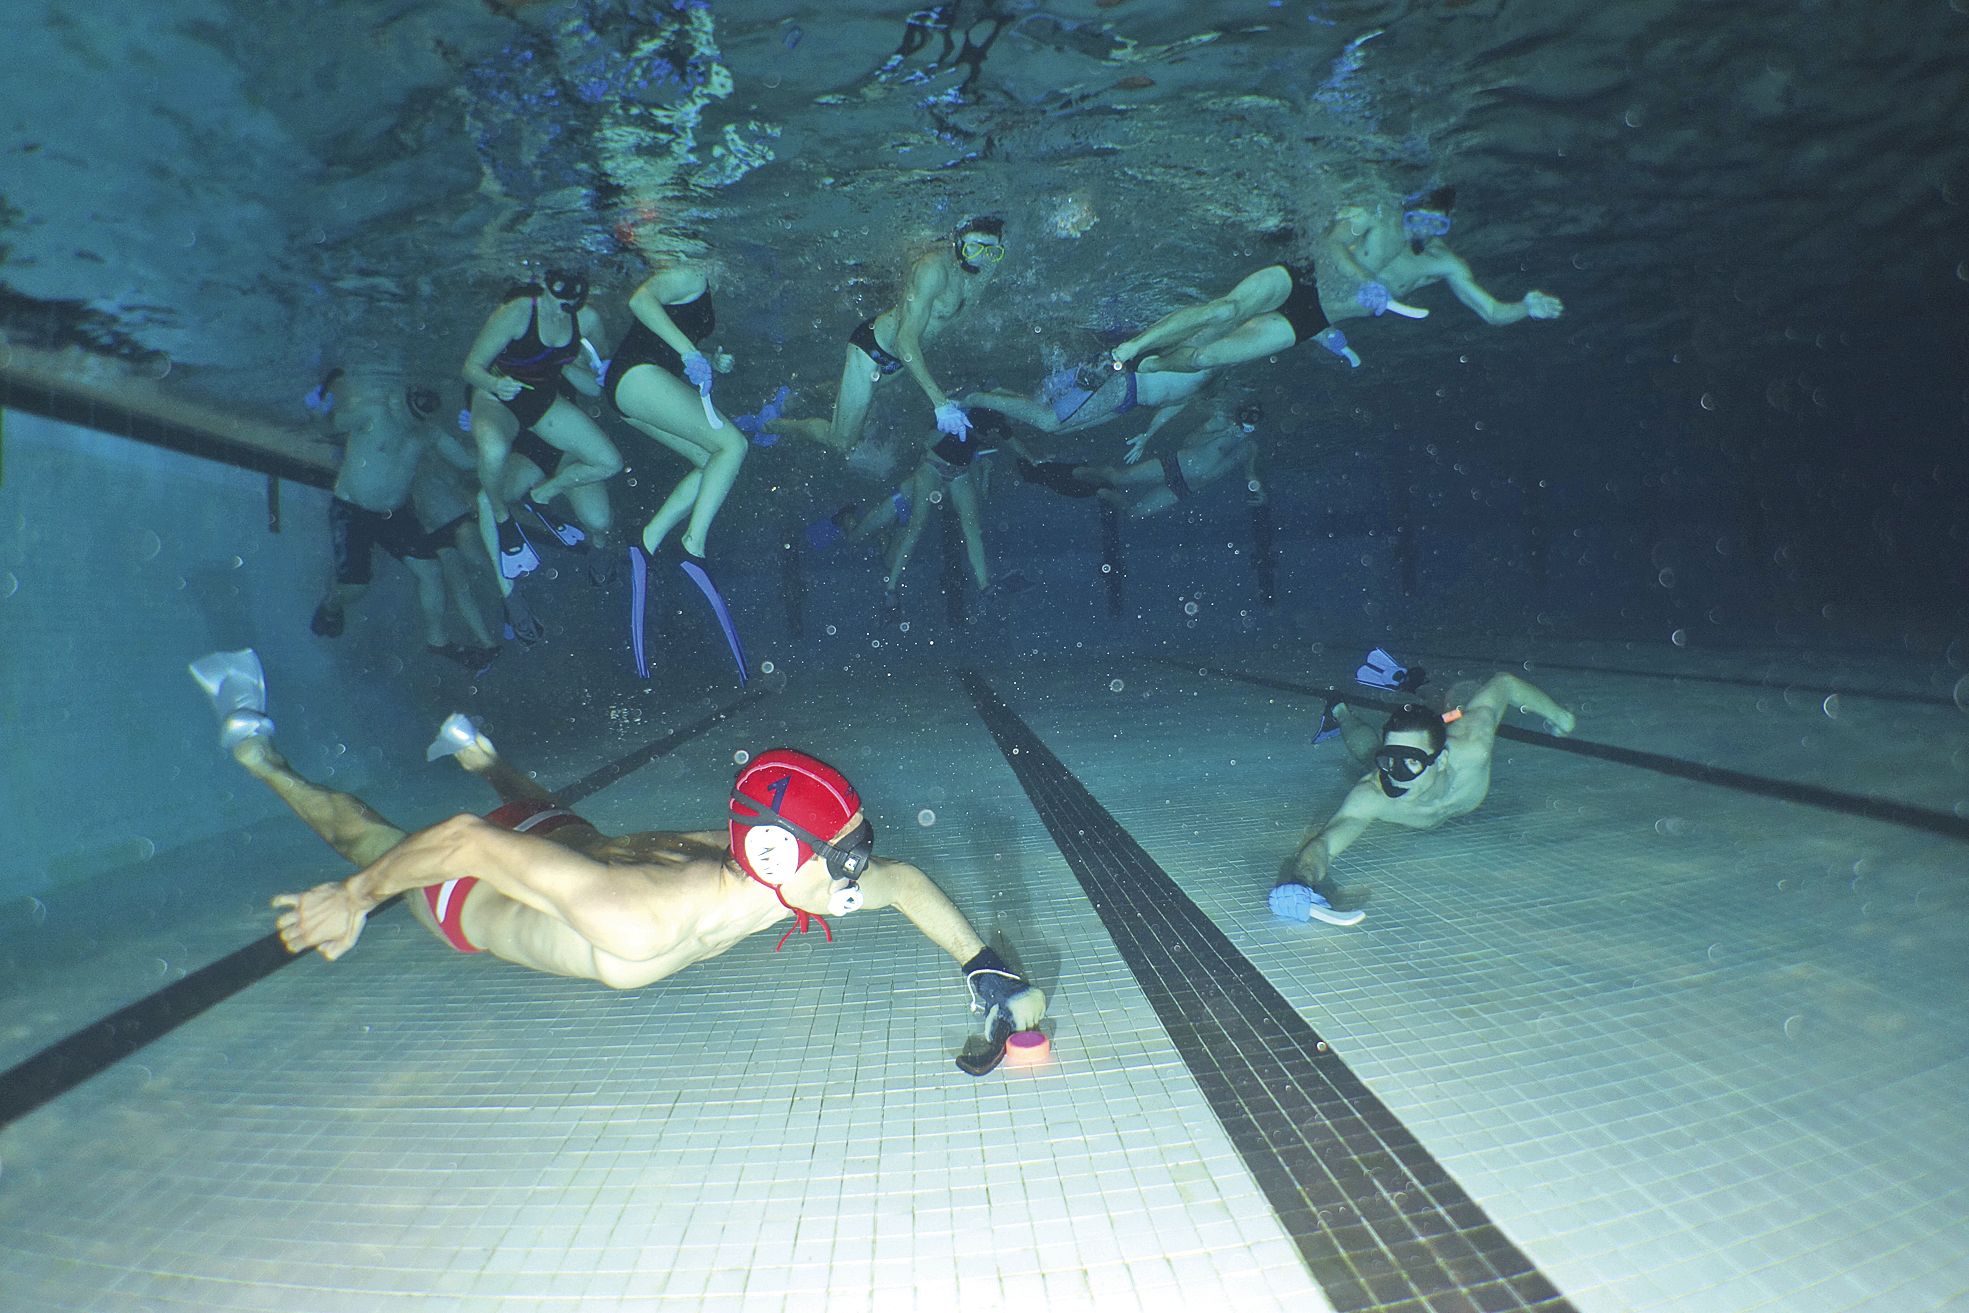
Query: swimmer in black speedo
column 1208, row 451
column 520, row 367
column 1270, row 311
column 942, row 282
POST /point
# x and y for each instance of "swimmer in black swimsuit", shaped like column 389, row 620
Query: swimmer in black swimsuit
column 660, row 383
column 949, row 470
column 528, row 353
column 1210, row 450
column 1271, row 311
column 941, row 283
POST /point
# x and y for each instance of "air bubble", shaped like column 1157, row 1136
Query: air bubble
column 1190, row 608
column 926, row 818
column 936, row 499
column 149, row 545
column 740, row 757
column 903, row 627
column 831, row 631
column 1709, row 401
column 1679, row 638
column 766, row 667
column 1115, row 686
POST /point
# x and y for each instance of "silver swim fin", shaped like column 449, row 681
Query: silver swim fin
column 237, row 685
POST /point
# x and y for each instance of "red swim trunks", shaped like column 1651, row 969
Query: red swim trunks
column 447, row 900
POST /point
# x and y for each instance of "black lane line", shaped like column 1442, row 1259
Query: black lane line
column 1923, row 819
column 106, row 417
column 66, row 1063
column 1774, row 685
column 1380, row 1224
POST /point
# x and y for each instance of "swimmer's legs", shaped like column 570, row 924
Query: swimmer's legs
column 851, row 402
column 430, row 596
column 1264, row 290
column 1264, row 335
column 1036, row 414
column 906, row 541
column 964, row 500
column 458, row 581
column 591, row 457
column 343, row 820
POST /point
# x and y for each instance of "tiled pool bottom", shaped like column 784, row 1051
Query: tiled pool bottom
column 1701, row 1065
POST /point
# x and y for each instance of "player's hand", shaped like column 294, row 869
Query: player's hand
column 1136, row 446
column 1560, row 728
column 1543, row 305
column 327, row 918
column 507, row 388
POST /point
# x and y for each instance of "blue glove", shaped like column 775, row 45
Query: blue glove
column 465, row 420
column 1373, row 298
column 951, row 419
column 697, row 371
column 1336, row 341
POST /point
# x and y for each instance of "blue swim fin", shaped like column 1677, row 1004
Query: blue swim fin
column 1329, row 726
column 823, row 534
column 638, row 603
column 517, row 558
column 1380, row 670
column 566, row 534
column 695, row 568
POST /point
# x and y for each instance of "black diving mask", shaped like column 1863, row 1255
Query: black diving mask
column 567, row 287
column 1400, row 764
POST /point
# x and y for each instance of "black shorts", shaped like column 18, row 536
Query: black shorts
column 446, row 534
column 353, row 531
column 538, row 450
column 535, row 401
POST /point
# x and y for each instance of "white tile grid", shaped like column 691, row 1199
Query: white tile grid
column 406, row 1128
column 1587, row 1062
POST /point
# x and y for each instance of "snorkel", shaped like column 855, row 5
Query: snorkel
column 568, row 287
column 1425, row 215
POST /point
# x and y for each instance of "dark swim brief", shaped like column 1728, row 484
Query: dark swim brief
column 864, row 337
column 1302, row 304
column 354, row 531
column 1172, row 479
column 1058, row 475
column 446, row 534
column 534, row 401
column 538, row 450
column 447, row 900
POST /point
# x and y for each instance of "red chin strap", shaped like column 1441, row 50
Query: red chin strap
column 802, row 920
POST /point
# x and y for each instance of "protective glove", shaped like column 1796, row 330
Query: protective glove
column 1336, row 341
column 697, row 371
column 951, row 419
column 995, row 987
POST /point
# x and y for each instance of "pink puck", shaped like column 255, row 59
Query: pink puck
column 1026, row 1047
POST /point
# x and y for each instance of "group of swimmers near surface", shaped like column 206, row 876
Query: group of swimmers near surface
column 542, row 462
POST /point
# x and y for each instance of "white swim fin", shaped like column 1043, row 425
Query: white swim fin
column 454, row 736
column 237, row 685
